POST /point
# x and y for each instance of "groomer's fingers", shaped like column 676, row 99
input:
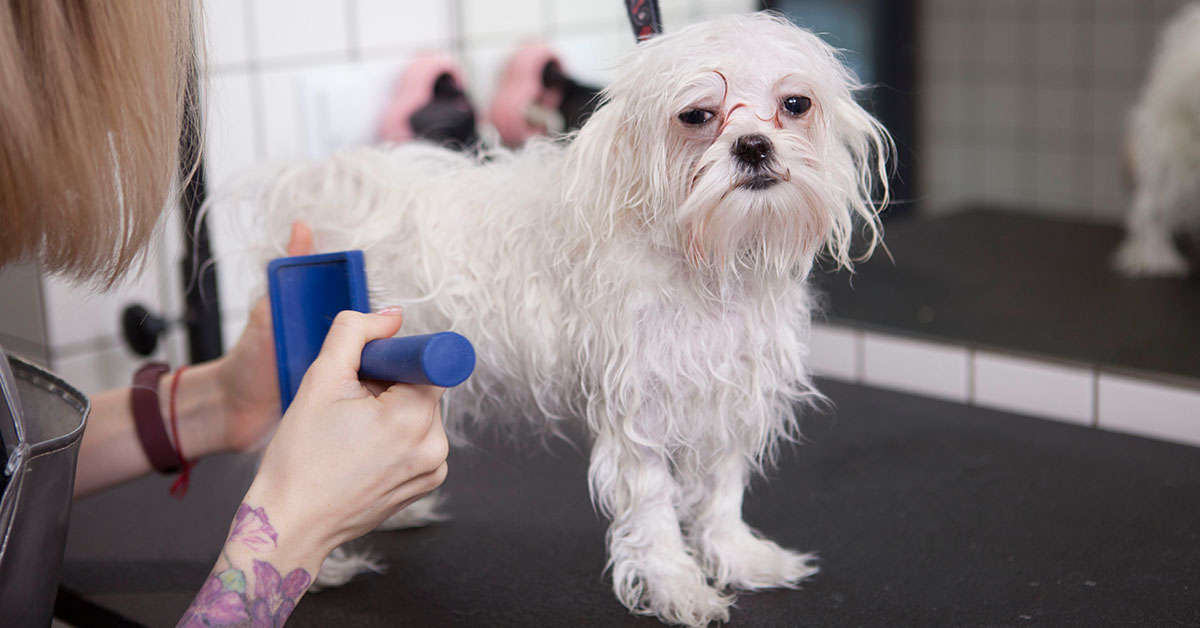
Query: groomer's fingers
column 419, row 487
column 400, row 399
column 350, row 332
column 399, row 396
column 301, row 242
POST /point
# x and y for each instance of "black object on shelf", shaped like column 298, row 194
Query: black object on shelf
column 579, row 101
column 141, row 328
column 448, row 119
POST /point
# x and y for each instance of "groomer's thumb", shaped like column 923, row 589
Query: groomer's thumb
column 301, row 240
column 350, row 332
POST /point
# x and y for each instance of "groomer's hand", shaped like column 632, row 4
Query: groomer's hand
column 241, row 388
column 346, row 457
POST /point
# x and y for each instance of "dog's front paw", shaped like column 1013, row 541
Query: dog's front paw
column 1150, row 257
column 341, row 565
column 672, row 588
column 422, row 512
column 740, row 559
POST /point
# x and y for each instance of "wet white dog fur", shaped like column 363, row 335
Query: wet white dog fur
column 648, row 278
column 1164, row 154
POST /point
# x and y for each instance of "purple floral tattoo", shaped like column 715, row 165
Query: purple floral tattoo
column 217, row 606
column 252, row 528
column 276, row 597
column 224, row 599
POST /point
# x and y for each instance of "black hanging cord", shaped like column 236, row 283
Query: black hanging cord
column 202, row 313
column 644, row 17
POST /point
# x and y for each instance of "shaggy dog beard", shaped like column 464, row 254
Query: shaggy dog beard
column 764, row 221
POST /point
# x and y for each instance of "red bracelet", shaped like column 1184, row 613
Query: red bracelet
column 180, row 486
column 147, row 416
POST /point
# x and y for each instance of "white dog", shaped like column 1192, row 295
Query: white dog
column 1164, row 154
column 648, row 277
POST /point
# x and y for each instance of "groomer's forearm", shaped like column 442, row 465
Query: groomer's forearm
column 111, row 453
column 265, row 567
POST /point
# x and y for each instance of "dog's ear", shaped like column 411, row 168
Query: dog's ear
column 861, row 151
column 860, row 165
column 594, row 172
column 614, row 163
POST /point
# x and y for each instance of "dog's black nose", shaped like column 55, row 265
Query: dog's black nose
column 752, row 149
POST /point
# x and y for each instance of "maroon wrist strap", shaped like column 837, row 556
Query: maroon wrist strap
column 147, row 415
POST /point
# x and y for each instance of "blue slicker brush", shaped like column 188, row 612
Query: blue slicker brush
column 307, row 291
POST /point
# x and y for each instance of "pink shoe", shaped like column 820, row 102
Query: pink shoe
column 414, row 91
column 523, row 106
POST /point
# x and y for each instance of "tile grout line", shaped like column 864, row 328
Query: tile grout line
column 254, row 73
column 353, row 40
column 860, row 356
column 971, row 371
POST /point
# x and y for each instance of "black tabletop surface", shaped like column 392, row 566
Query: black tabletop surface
column 924, row 513
column 1024, row 283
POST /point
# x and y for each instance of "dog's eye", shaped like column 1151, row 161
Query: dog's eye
column 695, row 117
column 797, row 105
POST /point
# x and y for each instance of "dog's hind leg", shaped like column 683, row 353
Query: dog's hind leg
column 1148, row 249
column 732, row 553
column 653, row 571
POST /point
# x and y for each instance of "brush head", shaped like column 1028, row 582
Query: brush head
column 308, row 291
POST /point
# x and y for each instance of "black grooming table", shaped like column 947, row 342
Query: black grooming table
column 924, row 513
column 1018, row 282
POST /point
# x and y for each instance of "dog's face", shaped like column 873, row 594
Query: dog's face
column 742, row 138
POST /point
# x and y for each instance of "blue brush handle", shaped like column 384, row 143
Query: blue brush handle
column 443, row 359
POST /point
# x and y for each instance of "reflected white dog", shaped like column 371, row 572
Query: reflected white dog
column 648, row 278
column 1164, row 154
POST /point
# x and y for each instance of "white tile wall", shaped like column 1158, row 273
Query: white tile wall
column 23, row 313
column 231, row 140
column 485, row 21
column 388, row 25
column 925, row 368
column 292, row 31
column 100, row 369
column 1034, row 387
column 278, row 107
column 574, row 14
column 79, row 320
column 227, row 32
column 836, row 352
column 1050, row 389
column 1149, row 409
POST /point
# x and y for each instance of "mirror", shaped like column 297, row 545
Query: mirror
column 1016, row 176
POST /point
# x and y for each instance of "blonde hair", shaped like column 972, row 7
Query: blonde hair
column 92, row 99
